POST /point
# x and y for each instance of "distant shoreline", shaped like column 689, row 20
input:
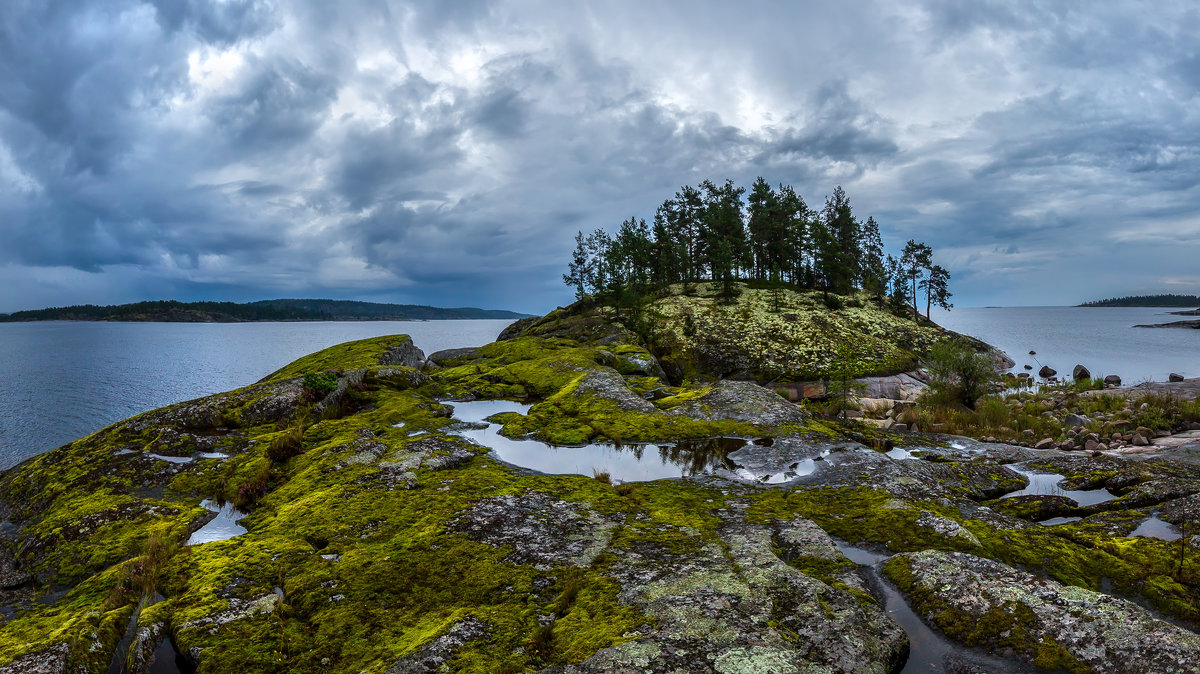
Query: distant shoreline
column 276, row 311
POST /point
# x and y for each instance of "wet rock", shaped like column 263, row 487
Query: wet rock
column 543, row 531
column 430, row 658
column 742, row 401
column 1036, row 508
column 983, row 602
column 1182, row 511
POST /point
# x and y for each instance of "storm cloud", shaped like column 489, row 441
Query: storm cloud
column 446, row 152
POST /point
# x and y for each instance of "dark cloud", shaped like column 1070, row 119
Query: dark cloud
column 446, row 152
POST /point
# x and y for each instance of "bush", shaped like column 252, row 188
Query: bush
column 958, row 374
column 319, row 385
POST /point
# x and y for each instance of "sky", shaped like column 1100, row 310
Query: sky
column 446, row 152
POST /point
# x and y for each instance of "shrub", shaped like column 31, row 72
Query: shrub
column 957, row 374
column 318, row 385
column 287, row 444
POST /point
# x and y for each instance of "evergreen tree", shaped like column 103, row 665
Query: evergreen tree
column 914, row 260
column 898, row 283
column 794, row 245
column 874, row 273
column 723, row 220
column 844, row 234
column 937, row 288
column 666, row 253
column 764, row 228
column 579, row 272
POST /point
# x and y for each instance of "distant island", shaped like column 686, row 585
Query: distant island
column 263, row 310
column 1169, row 300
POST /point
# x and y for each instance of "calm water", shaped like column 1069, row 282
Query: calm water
column 63, row 380
column 1103, row 340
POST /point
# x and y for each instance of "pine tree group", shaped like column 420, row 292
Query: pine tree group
column 711, row 233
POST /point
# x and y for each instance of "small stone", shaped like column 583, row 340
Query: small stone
column 1091, row 444
column 1044, row 443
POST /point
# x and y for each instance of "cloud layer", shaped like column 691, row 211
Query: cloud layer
column 446, row 152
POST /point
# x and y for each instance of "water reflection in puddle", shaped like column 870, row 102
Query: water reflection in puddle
column 223, row 526
column 170, row 459
column 626, row 463
column 1059, row 520
column 1153, row 527
column 1049, row 484
column 899, row 454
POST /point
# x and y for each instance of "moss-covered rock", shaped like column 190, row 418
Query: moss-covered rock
column 377, row 538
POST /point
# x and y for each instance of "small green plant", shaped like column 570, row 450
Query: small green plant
column 287, row 444
column 958, row 375
column 317, row 385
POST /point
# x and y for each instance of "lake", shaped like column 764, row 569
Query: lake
column 1101, row 339
column 63, row 380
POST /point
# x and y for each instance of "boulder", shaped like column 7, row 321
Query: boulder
column 515, row 328
column 1045, row 443
column 404, row 354
column 984, row 602
column 445, row 355
column 1175, row 377
column 1081, row 372
column 1046, row 372
column 1113, row 379
column 1074, row 420
column 1028, row 366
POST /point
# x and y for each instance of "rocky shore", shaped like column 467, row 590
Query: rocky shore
column 364, row 532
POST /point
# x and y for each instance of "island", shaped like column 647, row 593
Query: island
column 1166, row 300
column 759, row 479
column 262, row 310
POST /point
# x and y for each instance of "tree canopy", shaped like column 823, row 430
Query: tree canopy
column 721, row 233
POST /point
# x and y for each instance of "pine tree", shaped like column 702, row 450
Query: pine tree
column 794, row 245
column 579, row 272
column 845, row 234
column 937, row 289
column 874, row 272
column 914, row 260
column 764, row 226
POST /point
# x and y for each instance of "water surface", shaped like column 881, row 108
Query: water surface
column 1102, row 339
column 65, row 379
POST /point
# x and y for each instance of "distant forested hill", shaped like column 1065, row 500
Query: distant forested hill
column 1147, row 301
column 263, row 310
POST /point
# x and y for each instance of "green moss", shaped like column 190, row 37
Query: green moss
column 354, row 355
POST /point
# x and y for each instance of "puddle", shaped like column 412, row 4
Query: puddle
column 213, row 455
column 625, row 463
column 1153, row 527
column 223, row 526
column 1048, row 484
column 928, row 651
column 398, row 425
column 899, row 454
column 1059, row 520
column 171, row 459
